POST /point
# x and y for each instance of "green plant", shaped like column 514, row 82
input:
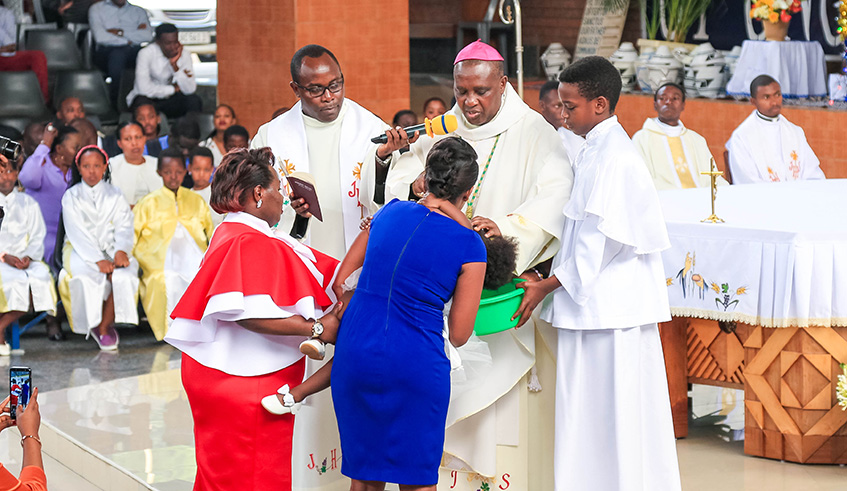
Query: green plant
column 681, row 15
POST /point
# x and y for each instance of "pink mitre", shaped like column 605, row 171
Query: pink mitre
column 478, row 50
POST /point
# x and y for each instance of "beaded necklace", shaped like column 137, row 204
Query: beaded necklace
column 472, row 201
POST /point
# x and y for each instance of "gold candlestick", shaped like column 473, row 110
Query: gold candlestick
column 713, row 173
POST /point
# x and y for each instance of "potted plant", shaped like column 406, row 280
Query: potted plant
column 775, row 16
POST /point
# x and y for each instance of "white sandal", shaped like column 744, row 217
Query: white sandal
column 288, row 406
column 314, row 348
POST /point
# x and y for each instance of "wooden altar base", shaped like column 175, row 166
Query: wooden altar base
column 788, row 376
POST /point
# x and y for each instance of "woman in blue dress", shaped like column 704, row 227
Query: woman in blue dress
column 390, row 375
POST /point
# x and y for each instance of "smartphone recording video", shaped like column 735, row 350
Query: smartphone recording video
column 20, row 387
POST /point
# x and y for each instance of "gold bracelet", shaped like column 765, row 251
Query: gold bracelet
column 30, row 436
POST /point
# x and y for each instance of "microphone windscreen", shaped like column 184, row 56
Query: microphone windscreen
column 444, row 124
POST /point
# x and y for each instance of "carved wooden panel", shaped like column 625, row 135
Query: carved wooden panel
column 791, row 409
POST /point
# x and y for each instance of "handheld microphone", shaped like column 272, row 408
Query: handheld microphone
column 441, row 125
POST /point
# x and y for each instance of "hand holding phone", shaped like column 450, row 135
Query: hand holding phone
column 20, row 388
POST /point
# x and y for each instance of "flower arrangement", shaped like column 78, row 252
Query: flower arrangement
column 841, row 388
column 774, row 10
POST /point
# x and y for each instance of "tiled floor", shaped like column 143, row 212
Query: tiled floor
column 129, row 408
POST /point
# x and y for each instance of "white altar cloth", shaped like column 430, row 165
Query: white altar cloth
column 780, row 260
column 798, row 66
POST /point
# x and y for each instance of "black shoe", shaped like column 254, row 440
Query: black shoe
column 54, row 332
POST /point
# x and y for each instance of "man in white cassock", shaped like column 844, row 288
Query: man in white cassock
column 550, row 106
column 329, row 137
column 614, row 430
column 23, row 274
column 499, row 430
column 766, row 147
column 675, row 155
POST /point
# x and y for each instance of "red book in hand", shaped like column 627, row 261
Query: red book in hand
column 303, row 186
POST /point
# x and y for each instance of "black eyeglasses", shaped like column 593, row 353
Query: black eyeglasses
column 318, row 90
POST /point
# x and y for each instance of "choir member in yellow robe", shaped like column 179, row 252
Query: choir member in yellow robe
column 24, row 278
column 172, row 230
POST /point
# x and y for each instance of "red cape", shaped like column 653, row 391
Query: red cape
column 242, row 259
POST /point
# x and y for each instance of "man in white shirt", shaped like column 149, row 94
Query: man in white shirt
column 675, row 155
column 119, row 28
column 164, row 73
column 766, row 147
column 551, row 108
column 12, row 60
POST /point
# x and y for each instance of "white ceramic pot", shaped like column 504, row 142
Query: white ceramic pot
column 642, row 71
column 663, row 68
column 555, row 59
column 624, row 60
column 732, row 59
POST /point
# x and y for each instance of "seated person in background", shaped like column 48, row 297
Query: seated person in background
column 45, row 176
column 185, row 135
column 69, row 109
column 24, row 278
column 32, row 137
column 280, row 111
column 98, row 282
column 28, row 421
column 551, row 108
column 675, row 155
column 201, row 168
column 87, row 132
column 12, row 60
column 133, row 172
column 434, row 107
column 766, row 147
column 224, row 118
column 164, row 73
column 236, row 137
column 145, row 114
column 404, row 119
column 119, row 29
column 172, row 230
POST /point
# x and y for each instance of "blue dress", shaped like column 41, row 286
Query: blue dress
column 390, row 375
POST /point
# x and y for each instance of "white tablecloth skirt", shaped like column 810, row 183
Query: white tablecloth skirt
column 798, row 66
column 780, row 260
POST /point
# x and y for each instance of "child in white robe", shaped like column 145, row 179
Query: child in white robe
column 24, row 278
column 201, row 168
column 99, row 278
column 613, row 427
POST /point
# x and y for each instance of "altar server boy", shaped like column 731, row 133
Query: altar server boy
column 172, row 230
column 99, row 278
column 613, row 419
column 23, row 274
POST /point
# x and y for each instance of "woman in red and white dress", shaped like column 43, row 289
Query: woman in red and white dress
column 239, row 324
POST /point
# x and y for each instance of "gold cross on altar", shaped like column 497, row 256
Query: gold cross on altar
column 714, row 173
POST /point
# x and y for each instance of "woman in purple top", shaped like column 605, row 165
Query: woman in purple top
column 45, row 176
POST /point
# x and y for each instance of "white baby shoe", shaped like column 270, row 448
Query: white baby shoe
column 272, row 405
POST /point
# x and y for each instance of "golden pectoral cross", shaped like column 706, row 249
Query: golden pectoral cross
column 714, row 173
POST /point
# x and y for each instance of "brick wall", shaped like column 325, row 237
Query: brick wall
column 256, row 39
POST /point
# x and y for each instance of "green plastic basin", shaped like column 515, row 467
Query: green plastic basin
column 497, row 307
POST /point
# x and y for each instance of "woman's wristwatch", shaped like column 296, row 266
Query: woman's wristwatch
column 317, row 328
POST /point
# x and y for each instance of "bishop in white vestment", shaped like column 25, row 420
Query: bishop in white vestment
column 98, row 223
column 499, row 429
column 22, row 237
